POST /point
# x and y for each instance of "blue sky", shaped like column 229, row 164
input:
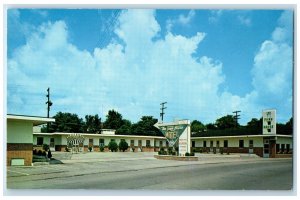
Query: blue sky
column 204, row 63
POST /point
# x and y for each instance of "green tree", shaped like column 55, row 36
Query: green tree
column 211, row 126
column 113, row 120
column 125, row 129
column 113, row 146
column 145, row 127
column 255, row 123
column 197, row 126
column 227, row 121
column 123, row 145
column 66, row 122
column 92, row 124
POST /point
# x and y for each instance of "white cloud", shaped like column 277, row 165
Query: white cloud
column 215, row 15
column 244, row 20
column 136, row 76
column 182, row 20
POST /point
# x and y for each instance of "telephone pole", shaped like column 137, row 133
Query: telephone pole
column 162, row 110
column 48, row 106
column 236, row 117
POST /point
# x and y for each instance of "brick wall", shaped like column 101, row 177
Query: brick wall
column 15, row 150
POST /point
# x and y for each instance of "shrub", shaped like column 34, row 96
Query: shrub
column 113, row 146
column 44, row 153
column 39, row 153
column 67, row 149
column 221, row 151
column 187, row 154
column 101, row 148
column 49, row 154
column 90, row 148
column 161, row 149
column 173, row 153
column 200, row 150
column 133, row 149
column 159, row 153
column 45, row 147
column 34, row 152
column 192, row 154
column 123, row 145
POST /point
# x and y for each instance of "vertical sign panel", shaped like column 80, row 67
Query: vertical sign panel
column 269, row 122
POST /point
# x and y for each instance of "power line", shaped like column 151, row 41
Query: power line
column 236, row 117
column 162, row 110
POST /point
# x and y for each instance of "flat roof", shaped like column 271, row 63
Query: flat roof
column 102, row 135
column 241, row 136
column 36, row 120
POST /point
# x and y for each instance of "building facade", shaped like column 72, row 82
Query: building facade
column 272, row 146
column 58, row 141
column 20, row 137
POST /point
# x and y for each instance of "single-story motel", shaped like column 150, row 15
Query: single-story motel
column 23, row 136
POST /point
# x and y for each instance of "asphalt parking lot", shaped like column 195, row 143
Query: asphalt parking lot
column 109, row 166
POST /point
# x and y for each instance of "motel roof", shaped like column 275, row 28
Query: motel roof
column 36, row 120
column 103, row 135
column 241, row 136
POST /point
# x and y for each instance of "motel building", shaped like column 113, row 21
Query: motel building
column 20, row 136
column 267, row 146
column 57, row 141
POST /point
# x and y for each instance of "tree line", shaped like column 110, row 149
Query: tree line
column 71, row 123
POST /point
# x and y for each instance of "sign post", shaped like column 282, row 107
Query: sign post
column 177, row 131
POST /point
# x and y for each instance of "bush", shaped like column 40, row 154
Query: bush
column 49, row 154
column 200, row 150
column 123, row 145
column 101, row 148
column 34, row 152
column 192, row 154
column 221, row 151
column 45, row 147
column 161, row 149
column 44, row 153
column 187, row 154
column 133, row 149
column 67, row 149
column 113, row 146
column 90, row 148
column 173, row 153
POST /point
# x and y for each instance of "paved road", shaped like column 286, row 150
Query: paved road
column 152, row 174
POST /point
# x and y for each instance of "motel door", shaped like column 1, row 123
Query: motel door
column 266, row 153
column 52, row 144
column 250, row 146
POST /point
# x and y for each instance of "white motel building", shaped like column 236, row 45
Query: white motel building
column 23, row 136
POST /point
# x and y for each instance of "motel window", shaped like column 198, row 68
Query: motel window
column 160, row 143
column 148, row 143
column 39, row 140
column 282, row 147
column 277, row 148
column 287, row 148
column 51, row 142
column 218, row 144
column 241, row 143
column 140, row 143
column 211, row 143
column 225, row 143
column 101, row 142
column 250, row 144
column 91, row 142
column 193, row 143
column 204, row 143
column 131, row 143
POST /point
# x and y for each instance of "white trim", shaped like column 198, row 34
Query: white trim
column 35, row 120
column 103, row 135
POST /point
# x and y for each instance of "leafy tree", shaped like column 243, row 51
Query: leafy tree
column 125, row 129
column 113, row 146
column 227, row 121
column 197, row 126
column 66, row 122
column 113, row 120
column 211, row 126
column 145, row 127
column 92, row 124
column 289, row 124
column 123, row 145
column 255, row 123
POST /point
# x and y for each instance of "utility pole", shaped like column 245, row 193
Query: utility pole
column 162, row 110
column 48, row 106
column 236, row 117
